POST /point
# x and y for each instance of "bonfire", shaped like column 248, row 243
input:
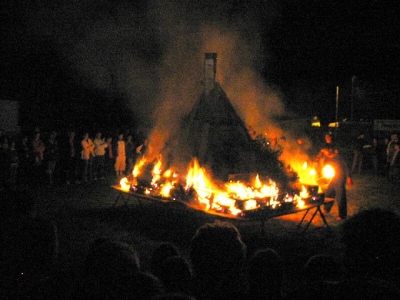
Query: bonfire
column 236, row 197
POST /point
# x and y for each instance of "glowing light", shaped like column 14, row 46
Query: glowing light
column 165, row 190
column 328, row 171
column 124, row 184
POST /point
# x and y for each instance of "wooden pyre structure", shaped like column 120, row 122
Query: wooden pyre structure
column 215, row 134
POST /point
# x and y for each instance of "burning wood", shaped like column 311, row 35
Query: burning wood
column 198, row 190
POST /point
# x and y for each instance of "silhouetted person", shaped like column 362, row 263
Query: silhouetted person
column 372, row 244
column 394, row 164
column 217, row 254
column 176, row 274
column 321, row 276
column 390, row 151
column 160, row 254
column 265, row 274
column 109, row 272
column 371, row 256
column 329, row 155
column 360, row 146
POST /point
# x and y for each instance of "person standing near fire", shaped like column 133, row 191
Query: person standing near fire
column 394, row 164
column 100, row 146
column 120, row 159
column 390, row 151
column 329, row 155
column 87, row 155
column 38, row 149
column 142, row 149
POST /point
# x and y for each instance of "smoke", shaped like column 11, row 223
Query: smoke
column 152, row 54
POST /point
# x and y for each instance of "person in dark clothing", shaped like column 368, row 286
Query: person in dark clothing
column 265, row 275
column 371, row 255
column 51, row 156
column 329, row 155
column 361, row 145
column 217, row 254
column 130, row 154
column 394, row 164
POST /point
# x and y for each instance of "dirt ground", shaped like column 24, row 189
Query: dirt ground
column 85, row 212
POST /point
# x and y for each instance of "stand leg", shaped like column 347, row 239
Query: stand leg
column 302, row 219
column 308, row 224
column 322, row 216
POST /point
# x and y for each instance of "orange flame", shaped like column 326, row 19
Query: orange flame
column 138, row 167
column 156, row 171
column 304, row 192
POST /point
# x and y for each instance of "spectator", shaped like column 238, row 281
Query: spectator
column 394, row 165
column 112, row 271
column 360, row 147
column 100, row 146
column 130, row 154
column 176, row 275
column 375, row 151
column 217, row 255
column 38, row 149
column 142, row 149
column 110, row 157
column 87, row 154
column 51, row 156
column 70, row 157
column 25, row 159
column 120, row 159
column 13, row 160
column 323, row 268
column 160, row 254
column 372, row 255
column 4, row 162
column 265, row 275
column 390, row 150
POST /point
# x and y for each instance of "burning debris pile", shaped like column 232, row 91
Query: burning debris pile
column 242, row 177
column 235, row 198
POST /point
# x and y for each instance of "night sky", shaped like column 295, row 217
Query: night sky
column 85, row 62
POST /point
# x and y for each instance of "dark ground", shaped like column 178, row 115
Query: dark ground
column 85, row 212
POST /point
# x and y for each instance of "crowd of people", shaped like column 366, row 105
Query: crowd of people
column 377, row 154
column 72, row 157
column 217, row 266
column 67, row 158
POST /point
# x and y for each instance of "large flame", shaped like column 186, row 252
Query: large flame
column 231, row 198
